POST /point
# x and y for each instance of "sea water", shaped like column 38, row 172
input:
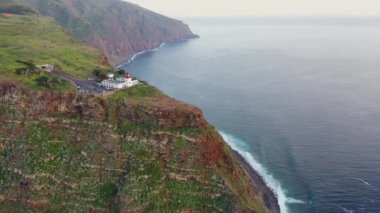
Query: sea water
column 299, row 98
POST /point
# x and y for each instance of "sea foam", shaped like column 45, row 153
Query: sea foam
column 240, row 146
column 136, row 55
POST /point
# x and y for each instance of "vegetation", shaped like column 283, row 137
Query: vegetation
column 52, row 82
column 41, row 40
column 136, row 150
column 29, row 68
column 120, row 72
column 115, row 155
column 68, row 165
column 116, row 27
column 17, row 9
column 138, row 92
column 101, row 74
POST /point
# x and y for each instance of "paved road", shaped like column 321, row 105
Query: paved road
column 83, row 86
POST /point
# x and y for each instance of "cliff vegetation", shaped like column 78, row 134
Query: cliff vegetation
column 42, row 41
column 132, row 151
column 118, row 28
column 135, row 150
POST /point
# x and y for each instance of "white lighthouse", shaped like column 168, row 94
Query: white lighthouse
column 119, row 83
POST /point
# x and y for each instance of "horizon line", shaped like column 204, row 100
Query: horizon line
column 283, row 16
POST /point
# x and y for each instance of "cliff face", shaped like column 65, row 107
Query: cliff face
column 119, row 29
column 135, row 151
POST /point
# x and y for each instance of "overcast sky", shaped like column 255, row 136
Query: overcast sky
column 184, row 8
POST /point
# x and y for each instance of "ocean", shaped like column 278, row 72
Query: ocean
column 299, row 98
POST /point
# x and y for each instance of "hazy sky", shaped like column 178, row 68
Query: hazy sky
column 183, row 8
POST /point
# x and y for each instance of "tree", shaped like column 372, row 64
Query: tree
column 100, row 74
column 42, row 81
column 120, row 72
column 47, row 82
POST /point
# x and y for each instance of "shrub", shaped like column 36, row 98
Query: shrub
column 49, row 82
column 29, row 68
column 107, row 191
column 100, row 74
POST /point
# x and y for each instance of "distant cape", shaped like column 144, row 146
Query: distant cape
column 118, row 28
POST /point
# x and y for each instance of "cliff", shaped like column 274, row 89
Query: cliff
column 119, row 29
column 136, row 150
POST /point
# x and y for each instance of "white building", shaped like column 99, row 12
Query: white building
column 119, row 83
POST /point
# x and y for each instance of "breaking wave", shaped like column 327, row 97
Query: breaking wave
column 140, row 53
column 294, row 201
column 241, row 147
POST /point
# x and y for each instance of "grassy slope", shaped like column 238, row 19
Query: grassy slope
column 73, row 163
column 68, row 164
column 125, row 28
column 40, row 39
column 238, row 193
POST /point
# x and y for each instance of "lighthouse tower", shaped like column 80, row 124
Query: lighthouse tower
column 127, row 76
column 128, row 79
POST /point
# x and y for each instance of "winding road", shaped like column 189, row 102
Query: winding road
column 83, row 86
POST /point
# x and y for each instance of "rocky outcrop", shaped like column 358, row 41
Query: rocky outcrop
column 162, row 112
column 119, row 29
column 53, row 103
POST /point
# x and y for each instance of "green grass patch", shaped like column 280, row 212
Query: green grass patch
column 139, row 91
column 42, row 40
column 182, row 144
column 107, row 191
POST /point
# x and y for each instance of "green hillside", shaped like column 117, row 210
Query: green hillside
column 135, row 150
column 41, row 40
column 117, row 28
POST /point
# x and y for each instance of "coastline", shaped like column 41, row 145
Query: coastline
column 270, row 198
column 134, row 56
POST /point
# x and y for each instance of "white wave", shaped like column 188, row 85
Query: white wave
column 346, row 210
column 240, row 146
column 363, row 181
column 141, row 53
column 137, row 55
column 294, row 201
column 367, row 184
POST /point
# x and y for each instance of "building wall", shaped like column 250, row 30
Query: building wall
column 119, row 85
